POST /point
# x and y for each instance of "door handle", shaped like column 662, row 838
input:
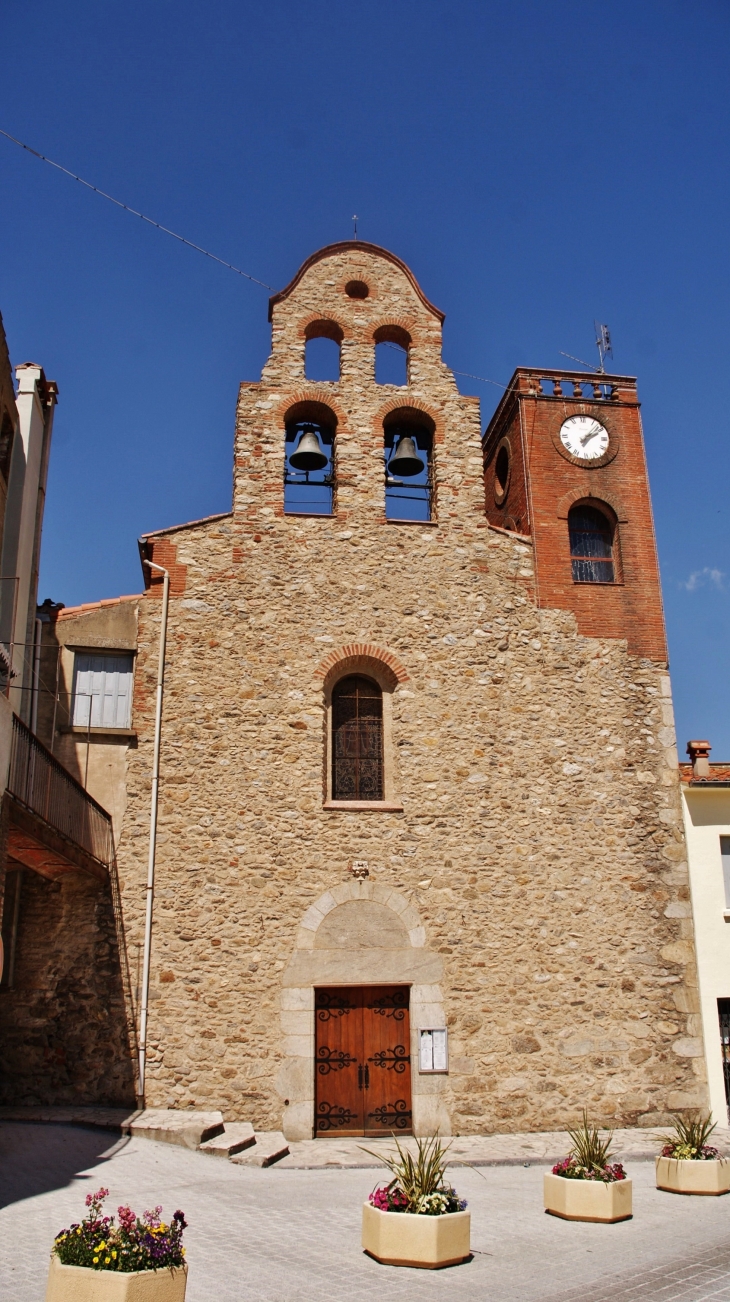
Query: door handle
column 359, row 1076
column 367, row 1077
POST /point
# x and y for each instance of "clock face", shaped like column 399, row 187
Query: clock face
column 584, row 437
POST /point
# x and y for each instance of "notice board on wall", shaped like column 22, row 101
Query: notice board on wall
column 433, row 1049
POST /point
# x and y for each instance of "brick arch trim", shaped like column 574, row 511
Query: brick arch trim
column 393, row 329
column 355, row 246
column 354, row 657
column 580, row 495
column 323, row 327
column 313, row 394
column 394, row 404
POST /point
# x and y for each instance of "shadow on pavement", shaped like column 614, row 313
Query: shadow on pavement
column 37, row 1158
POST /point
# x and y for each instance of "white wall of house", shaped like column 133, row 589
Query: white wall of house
column 24, row 516
column 707, row 818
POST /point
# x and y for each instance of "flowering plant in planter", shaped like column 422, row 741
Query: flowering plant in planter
column 688, row 1143
column 419, row 1183
column 586, row 1186
column 426, row 1237
column 133, row 1244
column 588, row 1158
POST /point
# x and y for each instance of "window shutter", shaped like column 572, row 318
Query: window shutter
column 102, row 684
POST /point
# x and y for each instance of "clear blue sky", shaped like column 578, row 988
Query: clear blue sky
column 537, row 164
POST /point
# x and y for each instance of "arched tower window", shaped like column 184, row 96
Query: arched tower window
column 591, row 545
column 309, row 448
column 357, row 739
column 322, row 351
column 408, row 465
column 392, row 345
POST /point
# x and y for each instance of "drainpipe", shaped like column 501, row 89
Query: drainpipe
column 153, row 836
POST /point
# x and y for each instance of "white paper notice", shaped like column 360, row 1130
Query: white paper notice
column 439, row 1050
column 432, row 1054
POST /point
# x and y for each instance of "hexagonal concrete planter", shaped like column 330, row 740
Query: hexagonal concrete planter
column 401, row 1239
column 588, row 1200
column 677, row 1176
column 80, row 1284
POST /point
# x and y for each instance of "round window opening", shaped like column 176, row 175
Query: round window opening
column 501, row 473
column 356, row 289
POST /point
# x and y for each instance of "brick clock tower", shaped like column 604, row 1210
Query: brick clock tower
column 564, row 464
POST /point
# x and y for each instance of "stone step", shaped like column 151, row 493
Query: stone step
column 168, row 1126
column 270, row 1147
column 237, row 1136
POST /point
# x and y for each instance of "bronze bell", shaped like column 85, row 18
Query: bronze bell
column 405, row 459
column 309, row 454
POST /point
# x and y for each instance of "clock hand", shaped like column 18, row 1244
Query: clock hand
column 590, row 435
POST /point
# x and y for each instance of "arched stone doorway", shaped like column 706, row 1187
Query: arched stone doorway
column 359, row 934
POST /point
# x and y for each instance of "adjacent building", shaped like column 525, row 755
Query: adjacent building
column 706, row 802
column 64, row 1034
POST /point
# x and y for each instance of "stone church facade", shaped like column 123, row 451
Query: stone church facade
column 418, row 774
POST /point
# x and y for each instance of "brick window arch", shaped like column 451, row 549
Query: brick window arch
column 357, row 739
column 592, row 532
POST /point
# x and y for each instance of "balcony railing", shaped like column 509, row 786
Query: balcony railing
column 43, row 786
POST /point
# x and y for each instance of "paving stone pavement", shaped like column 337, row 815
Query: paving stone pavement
column 283, row 1235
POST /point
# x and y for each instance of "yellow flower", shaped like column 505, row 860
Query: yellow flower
column 107, row 1260
column 95, row 1260
column 114, row 1253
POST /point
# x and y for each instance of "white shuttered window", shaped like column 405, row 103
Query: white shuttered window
column 102, row 685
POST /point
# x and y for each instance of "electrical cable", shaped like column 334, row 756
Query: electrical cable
column 165, row 229
column 198, row 248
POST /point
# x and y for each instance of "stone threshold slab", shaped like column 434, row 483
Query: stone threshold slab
column 544, row 1148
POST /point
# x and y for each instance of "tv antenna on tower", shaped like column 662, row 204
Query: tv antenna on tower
column 603, row 344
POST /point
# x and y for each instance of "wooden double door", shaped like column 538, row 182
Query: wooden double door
column 362, row 1061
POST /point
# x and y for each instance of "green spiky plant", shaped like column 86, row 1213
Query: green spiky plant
column 589, row 1156
column 589, row 1150
column 687, row 1142
column 419, row 1180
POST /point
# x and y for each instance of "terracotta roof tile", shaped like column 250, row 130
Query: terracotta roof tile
column 69, row 612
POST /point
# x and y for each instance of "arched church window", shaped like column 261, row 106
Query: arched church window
column 591, row 545
column 357, row 739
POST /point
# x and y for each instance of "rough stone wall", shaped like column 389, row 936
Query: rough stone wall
column 541, row 838
column 63, row 1024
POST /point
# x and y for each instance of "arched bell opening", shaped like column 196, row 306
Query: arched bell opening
column 309, row 459
column 408, row 436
